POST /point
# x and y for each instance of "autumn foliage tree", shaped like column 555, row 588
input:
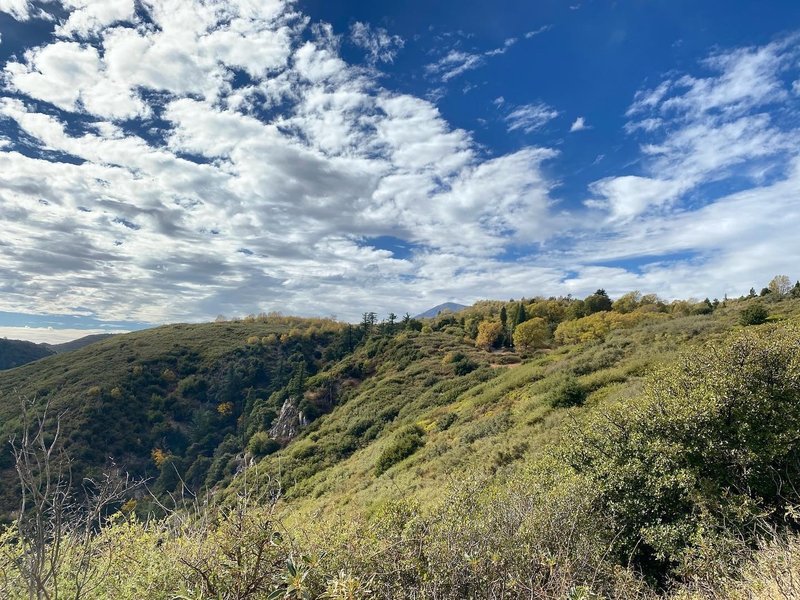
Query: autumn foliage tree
column 489, row 334
column 533, row 333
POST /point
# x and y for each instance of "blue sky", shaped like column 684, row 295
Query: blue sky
column 171, row 160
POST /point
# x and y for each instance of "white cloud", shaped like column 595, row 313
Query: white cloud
column 274, row 211
column 228, row 156
column 628, row 196
column 710, row 128
column 378, row 43
column 454, row 63
column 507, row 43
column 530, row 117
column 72, row 76
column 21, row 10
column 457, row 62
column 535, row 32
column 90, row 16
column 578, row 124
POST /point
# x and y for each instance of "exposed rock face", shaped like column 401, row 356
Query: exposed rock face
column 289, row 421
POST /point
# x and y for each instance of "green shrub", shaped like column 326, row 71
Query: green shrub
column 755, row 314
column 567, row 392
column 407, row 441
column 261, row 444
column 445, row 421
column 703, row 455
column 464, row 367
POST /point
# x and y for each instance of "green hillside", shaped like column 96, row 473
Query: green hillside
column 502, row 411
column 182, row 390
column 14, row 353
column 532, row 448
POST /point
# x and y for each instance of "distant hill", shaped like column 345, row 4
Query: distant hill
column 79, row 343
column 15, row 353
column 447, row 306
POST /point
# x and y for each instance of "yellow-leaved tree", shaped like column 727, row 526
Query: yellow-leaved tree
column 489, row 333
column 531, row 334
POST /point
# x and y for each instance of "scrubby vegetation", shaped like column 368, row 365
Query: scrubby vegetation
column 14, row 353
column 622, row 448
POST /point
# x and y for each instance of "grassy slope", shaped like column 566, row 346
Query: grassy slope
column 498, row 412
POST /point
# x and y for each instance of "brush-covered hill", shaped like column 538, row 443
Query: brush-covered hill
column 78, row 343
column 14, row 353
column 559, row 446
column 180, row 394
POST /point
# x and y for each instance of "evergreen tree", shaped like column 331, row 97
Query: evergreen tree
column 504, row 324
column 597, row 302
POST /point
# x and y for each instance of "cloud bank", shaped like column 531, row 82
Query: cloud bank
column 175, row 159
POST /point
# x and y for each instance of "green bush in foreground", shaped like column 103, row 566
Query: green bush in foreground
column 709, row 451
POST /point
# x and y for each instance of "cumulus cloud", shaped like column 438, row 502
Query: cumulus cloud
column 90, row 16
column 229, row 157
column 21, row 10
column 225, row 208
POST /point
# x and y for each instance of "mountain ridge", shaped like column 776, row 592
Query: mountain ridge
column 452, row 307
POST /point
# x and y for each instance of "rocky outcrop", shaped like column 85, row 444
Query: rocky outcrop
column 289, row 421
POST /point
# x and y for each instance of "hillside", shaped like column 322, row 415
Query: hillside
column 655, row 431
column 14, row 353
column 182, row 390
column 79, row 343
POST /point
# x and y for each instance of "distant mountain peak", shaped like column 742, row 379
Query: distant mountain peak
column 436, row 310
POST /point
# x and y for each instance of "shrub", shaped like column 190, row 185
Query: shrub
column 567, row 392
column 464, row 367
column 407, row 441
column 755, row 314
column 445, row 421
column 262, row 445
column 708, row 450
